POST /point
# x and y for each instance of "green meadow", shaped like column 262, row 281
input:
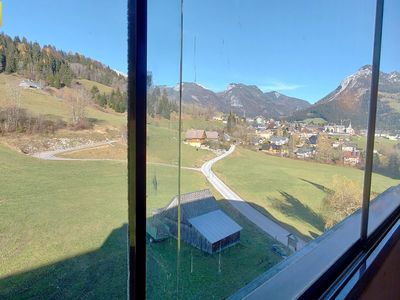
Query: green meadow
column 63, row 228
column 290, row 191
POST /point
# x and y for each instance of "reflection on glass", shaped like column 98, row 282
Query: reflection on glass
column 273, row 119
column 63, row 195
column 386, row 159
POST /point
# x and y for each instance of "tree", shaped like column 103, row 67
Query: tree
column 294, row 139
column 324, row 149
column 78, row 100
column 2, row 62
column 94, row 91
column 231, row 123
column 344, row 199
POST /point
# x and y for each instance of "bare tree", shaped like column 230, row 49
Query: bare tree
column 12, row 110
column 78, row 99
column 345, row 198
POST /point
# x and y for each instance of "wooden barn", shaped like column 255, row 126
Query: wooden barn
column 203, row 224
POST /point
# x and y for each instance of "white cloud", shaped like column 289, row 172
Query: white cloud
column 280, row 86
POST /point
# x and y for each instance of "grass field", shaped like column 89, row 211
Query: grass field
column 381, row 144
column 62, row 225
column 289, row 190
column 162, row 146
column 88, row 84
column 41, row 102
column 54, row 217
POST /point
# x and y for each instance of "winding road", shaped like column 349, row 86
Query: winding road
column 51, row 155
column 260, row 220
column 267, row 225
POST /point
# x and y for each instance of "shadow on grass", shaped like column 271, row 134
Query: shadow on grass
column 100, row 274
column 265, row 212
column 318, row 186
column 292, row 206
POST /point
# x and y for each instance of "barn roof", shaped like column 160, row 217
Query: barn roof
column 192, row 205
column 195, row 134
column 215, row 225
column 212, row 134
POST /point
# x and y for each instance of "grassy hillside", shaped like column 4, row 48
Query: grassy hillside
column 290, row 190
column 42, row 102
column 88, row 84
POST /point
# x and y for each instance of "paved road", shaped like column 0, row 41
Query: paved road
column 51, row 155
column 263, row 222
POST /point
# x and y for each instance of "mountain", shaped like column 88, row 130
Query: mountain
column 350, row 101
column 195, row 94
column 286, row 105
column 242, row 99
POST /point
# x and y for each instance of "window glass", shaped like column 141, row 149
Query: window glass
column 63, row 179
column 386, row 159
column 162, row 147
column 275, row 102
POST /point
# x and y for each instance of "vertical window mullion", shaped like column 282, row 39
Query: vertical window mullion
column 372, row 118
column 137, row 89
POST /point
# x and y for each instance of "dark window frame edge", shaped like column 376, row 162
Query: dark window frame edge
column 137, row 89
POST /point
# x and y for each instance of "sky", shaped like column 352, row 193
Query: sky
column 94, row 28
column 299, row 48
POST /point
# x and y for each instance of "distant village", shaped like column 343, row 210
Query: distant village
column 329, row 143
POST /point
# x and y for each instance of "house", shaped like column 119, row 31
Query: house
column 313, row 139
column 227, row 137
column 203, row 224
column 273, row 149
column 351, row 158
column 195, row 137
column 212, row 135
column 279, row 140
column 348, row 147
column 260, row 120
column 304, row 153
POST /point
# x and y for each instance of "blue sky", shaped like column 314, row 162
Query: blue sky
column 300, row 48
column 95, row 28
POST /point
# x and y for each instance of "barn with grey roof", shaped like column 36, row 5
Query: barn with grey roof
column 203, row 224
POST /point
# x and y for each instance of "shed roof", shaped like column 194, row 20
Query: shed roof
column 215, row 225
column 212, row 134
column 192, row 205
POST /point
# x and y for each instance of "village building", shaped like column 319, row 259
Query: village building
column 351, row 158
column 274, row 149
column 195, row 137
column 349, row 130
column 349, row 147
column 265, row 134
column 279, row 140
column 212, row 135
column 305, row 152
column 203, row 224
column 260, row 121
column 313, row 139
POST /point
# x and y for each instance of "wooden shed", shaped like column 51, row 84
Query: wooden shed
column 203, row 224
